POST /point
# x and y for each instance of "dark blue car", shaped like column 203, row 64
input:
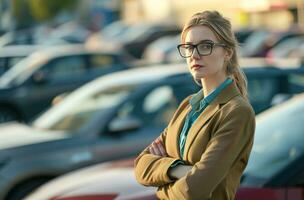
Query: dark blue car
column 29, row 87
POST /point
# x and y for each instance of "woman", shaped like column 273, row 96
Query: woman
column 205, row 148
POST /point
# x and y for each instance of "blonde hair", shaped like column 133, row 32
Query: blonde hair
column 221, row 27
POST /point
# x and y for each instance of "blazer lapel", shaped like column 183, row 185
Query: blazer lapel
column 198, row 124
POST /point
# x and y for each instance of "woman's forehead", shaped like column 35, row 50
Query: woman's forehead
column 196, row 34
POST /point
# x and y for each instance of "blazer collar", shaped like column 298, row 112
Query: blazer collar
column 226, row 94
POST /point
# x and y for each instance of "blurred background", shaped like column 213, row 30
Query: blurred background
column 92, row 82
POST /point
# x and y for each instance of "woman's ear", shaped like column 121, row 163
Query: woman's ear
column 228, row 54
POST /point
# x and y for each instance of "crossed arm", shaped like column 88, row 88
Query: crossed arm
column 177, row 172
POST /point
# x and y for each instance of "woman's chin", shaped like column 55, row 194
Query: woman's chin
column 198, row 76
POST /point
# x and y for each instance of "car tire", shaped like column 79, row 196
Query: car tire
column 23, row 189
column 7, row 115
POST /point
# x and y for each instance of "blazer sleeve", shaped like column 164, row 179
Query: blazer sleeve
column 235, row 131
column 151, row 170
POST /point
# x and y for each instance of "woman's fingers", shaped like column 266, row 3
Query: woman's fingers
column 157, row 148
column 152, row 150
column 161, row 148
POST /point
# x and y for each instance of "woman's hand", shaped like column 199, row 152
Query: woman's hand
column 157, row 148
column 179, row 171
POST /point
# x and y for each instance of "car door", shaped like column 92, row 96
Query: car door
column 293, row 178
column 103, row 63
column 60, row 75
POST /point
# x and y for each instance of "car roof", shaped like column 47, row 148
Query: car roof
column 291, row 104
column 18, row 50
column 69, row 49
column 139, row 75
column 280, row 63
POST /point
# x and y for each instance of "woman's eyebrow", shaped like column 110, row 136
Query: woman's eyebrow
column 202, row 41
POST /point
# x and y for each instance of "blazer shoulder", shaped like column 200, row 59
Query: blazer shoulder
column 240, row 104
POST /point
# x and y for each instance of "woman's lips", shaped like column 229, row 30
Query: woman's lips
column 196, row 67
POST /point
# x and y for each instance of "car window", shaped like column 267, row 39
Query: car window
column 101, row 61
column 23, row 69
column 2, row 65
column 262, row 89
column 74, row 114
column 13, row 61
column 296, row 82
column 65, row 67
column 278, row 140
column 156, row 107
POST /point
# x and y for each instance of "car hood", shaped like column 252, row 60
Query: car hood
column 103, row 181
column 17, row 134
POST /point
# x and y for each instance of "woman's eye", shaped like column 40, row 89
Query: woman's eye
column 189, row 47
column 204, row 46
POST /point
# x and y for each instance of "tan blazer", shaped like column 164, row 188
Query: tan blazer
column 217, row 146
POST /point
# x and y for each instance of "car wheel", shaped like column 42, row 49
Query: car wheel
column 22, row 190
column 7, row 115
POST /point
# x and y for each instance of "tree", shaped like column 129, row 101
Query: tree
column 21, row 14
column 43, row 10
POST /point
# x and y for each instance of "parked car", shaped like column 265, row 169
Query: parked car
column 98, row 122
column 274, row 171
column 29, row 87
column 285, row 48
column 10, row 55
column 159, row 50
column 275, row 168
column 108, row 181
column 261, row 41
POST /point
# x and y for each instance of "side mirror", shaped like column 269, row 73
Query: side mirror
column 124, row 124
column 39, row 77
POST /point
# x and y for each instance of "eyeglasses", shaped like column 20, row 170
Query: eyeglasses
column 203, row 48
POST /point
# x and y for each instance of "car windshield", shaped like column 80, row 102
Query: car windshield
column 80, row 108
column 278, row 141
column 22, row 70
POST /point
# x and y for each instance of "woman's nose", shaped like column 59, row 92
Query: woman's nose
column 195, row 54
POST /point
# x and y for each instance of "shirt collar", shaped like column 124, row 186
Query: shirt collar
column 199, row 99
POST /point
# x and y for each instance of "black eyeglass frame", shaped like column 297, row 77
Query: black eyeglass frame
column 213, row 44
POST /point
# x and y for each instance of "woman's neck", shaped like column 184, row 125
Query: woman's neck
column 209, row 84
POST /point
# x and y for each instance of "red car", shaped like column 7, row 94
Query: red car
column 275, row 170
